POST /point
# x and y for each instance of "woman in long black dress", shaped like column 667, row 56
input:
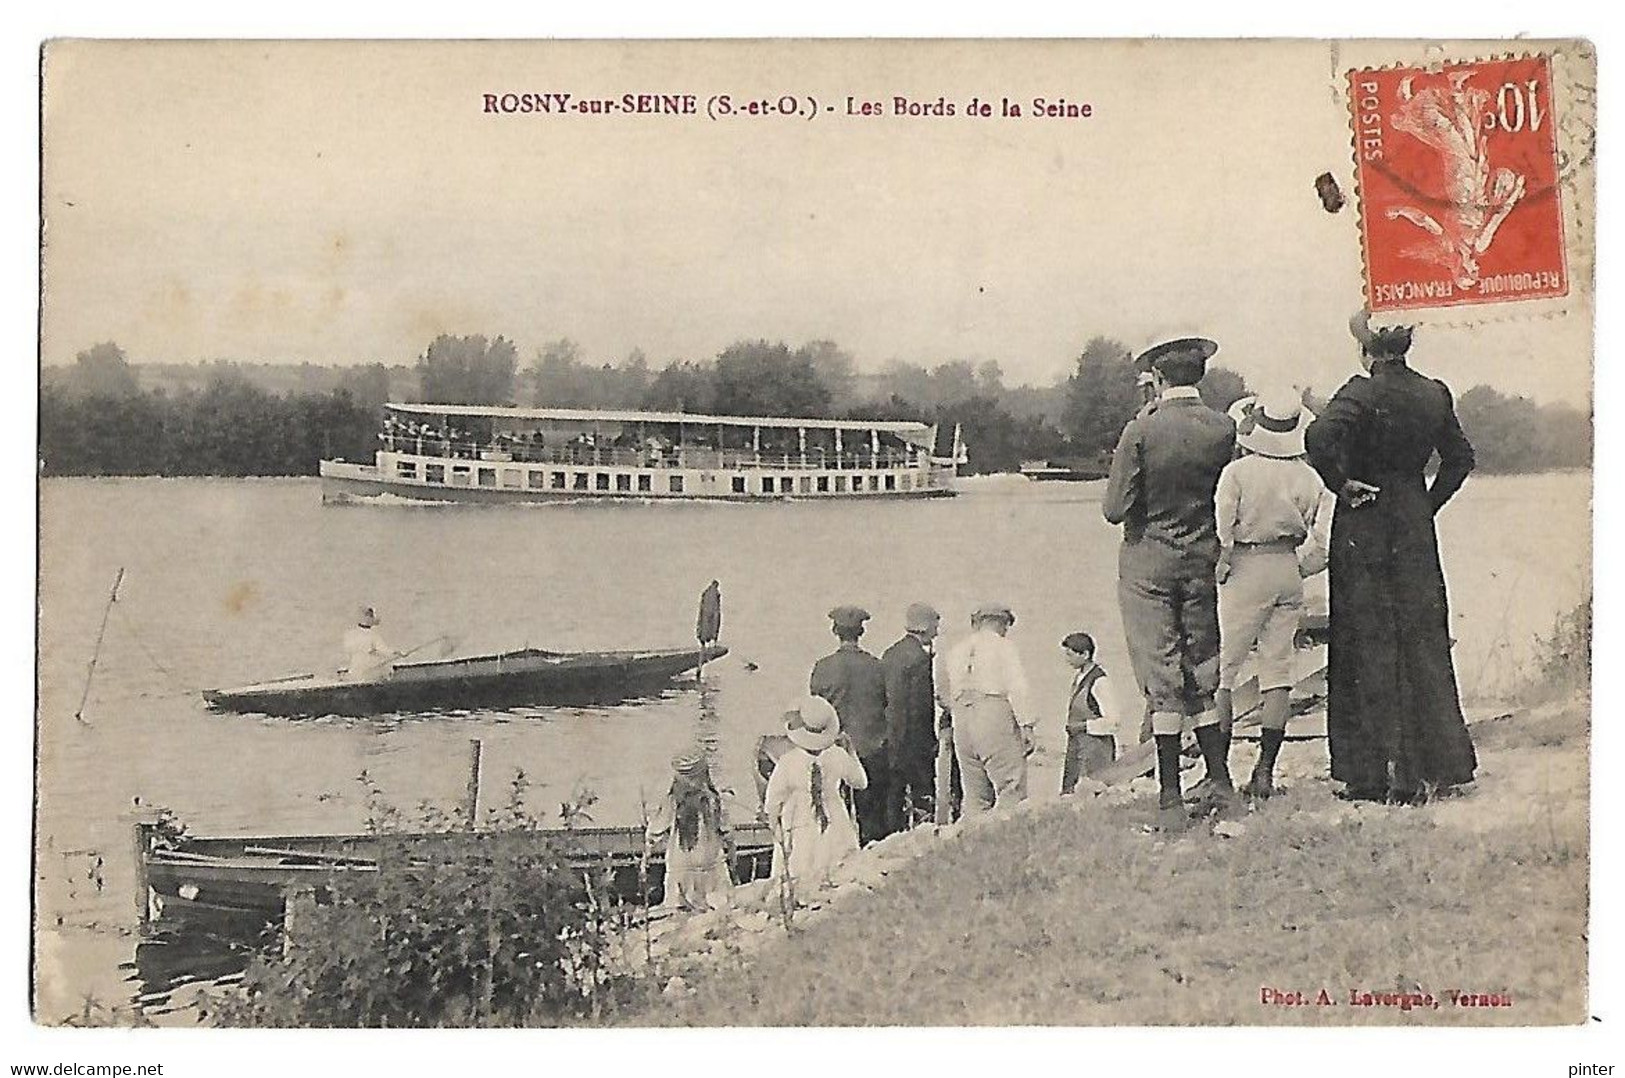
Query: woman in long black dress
column 1394, row 717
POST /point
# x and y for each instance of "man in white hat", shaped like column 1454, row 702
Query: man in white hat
column 1273, row 518
column 993, row 716
column 369, row 657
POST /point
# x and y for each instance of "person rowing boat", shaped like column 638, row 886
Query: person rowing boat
column 370, row 658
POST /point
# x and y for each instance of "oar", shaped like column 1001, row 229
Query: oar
column 445, row 639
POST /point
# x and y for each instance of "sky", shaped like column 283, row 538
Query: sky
column 339, row 203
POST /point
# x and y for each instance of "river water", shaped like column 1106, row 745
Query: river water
column 232, row 581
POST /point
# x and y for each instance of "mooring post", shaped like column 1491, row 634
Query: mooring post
column 298, row 904
column 139, row 845
column 472, row 805
column 943, row 777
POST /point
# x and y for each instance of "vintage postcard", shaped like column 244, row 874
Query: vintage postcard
column 815, row 533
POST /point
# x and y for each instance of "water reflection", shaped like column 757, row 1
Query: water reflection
column 171, row 966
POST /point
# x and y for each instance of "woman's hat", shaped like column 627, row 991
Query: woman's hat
column 812, row 723
column 1380, row 341
column 689, row 761
column 1272, row 423
column 367, row 618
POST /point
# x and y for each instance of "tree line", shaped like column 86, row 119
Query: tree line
column 97, row 417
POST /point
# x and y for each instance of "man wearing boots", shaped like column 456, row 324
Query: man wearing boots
column 1163, row 476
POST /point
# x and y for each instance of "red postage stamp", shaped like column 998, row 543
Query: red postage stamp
column 1457, row 170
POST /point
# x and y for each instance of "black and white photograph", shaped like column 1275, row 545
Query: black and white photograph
column 814, row 533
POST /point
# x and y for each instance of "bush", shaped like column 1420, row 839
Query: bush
column 488, row 928
column 1563, row 658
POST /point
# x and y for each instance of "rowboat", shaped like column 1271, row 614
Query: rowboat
column 528, row 676
column 1072, row 471
column 221, row 881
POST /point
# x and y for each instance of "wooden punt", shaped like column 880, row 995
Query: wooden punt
column 529, row 676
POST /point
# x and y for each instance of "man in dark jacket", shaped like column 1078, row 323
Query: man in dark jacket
column 708, row 626
column 1163, row 477
column 852, row 680
column 911, row 714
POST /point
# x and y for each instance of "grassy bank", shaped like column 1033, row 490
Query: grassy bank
column 1071, row 913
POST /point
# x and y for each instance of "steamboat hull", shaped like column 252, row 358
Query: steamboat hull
column 344, row 483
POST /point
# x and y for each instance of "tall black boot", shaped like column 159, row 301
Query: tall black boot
column 1168, row 771
column 1214, row 745
column 1223, row 705
column 1262, row 784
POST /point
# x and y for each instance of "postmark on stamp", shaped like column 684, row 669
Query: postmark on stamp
column 1458, row 183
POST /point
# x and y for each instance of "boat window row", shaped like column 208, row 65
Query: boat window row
column 815, row 458
column 500, row 478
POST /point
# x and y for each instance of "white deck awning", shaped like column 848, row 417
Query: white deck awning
column 912, row 432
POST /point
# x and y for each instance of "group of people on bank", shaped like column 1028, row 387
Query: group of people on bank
column 1223, row 516
column 1215, row 546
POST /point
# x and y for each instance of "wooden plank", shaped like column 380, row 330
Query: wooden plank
column 311, row 855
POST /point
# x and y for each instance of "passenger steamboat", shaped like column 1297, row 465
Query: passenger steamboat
column 463, row 453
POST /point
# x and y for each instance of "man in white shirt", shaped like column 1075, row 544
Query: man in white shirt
column 993, row 718
column 370, row 658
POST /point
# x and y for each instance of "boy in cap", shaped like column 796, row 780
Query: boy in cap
column 911, row 714
column 1091, row 716
column 1163, row 476
column 993, row 716
column 852, row 679
column 1273, row 517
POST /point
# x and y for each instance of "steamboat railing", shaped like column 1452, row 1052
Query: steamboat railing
column 524, row 452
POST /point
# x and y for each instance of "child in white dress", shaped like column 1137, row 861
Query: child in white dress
column 698, row 843
column 812, row 829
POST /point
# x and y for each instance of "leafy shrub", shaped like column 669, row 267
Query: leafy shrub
column 488, row 928
column 1563, row 658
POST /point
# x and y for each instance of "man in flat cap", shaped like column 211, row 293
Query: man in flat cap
column 911, row 714
column 993, row 714
column 1163, row 477
column 853, row 680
